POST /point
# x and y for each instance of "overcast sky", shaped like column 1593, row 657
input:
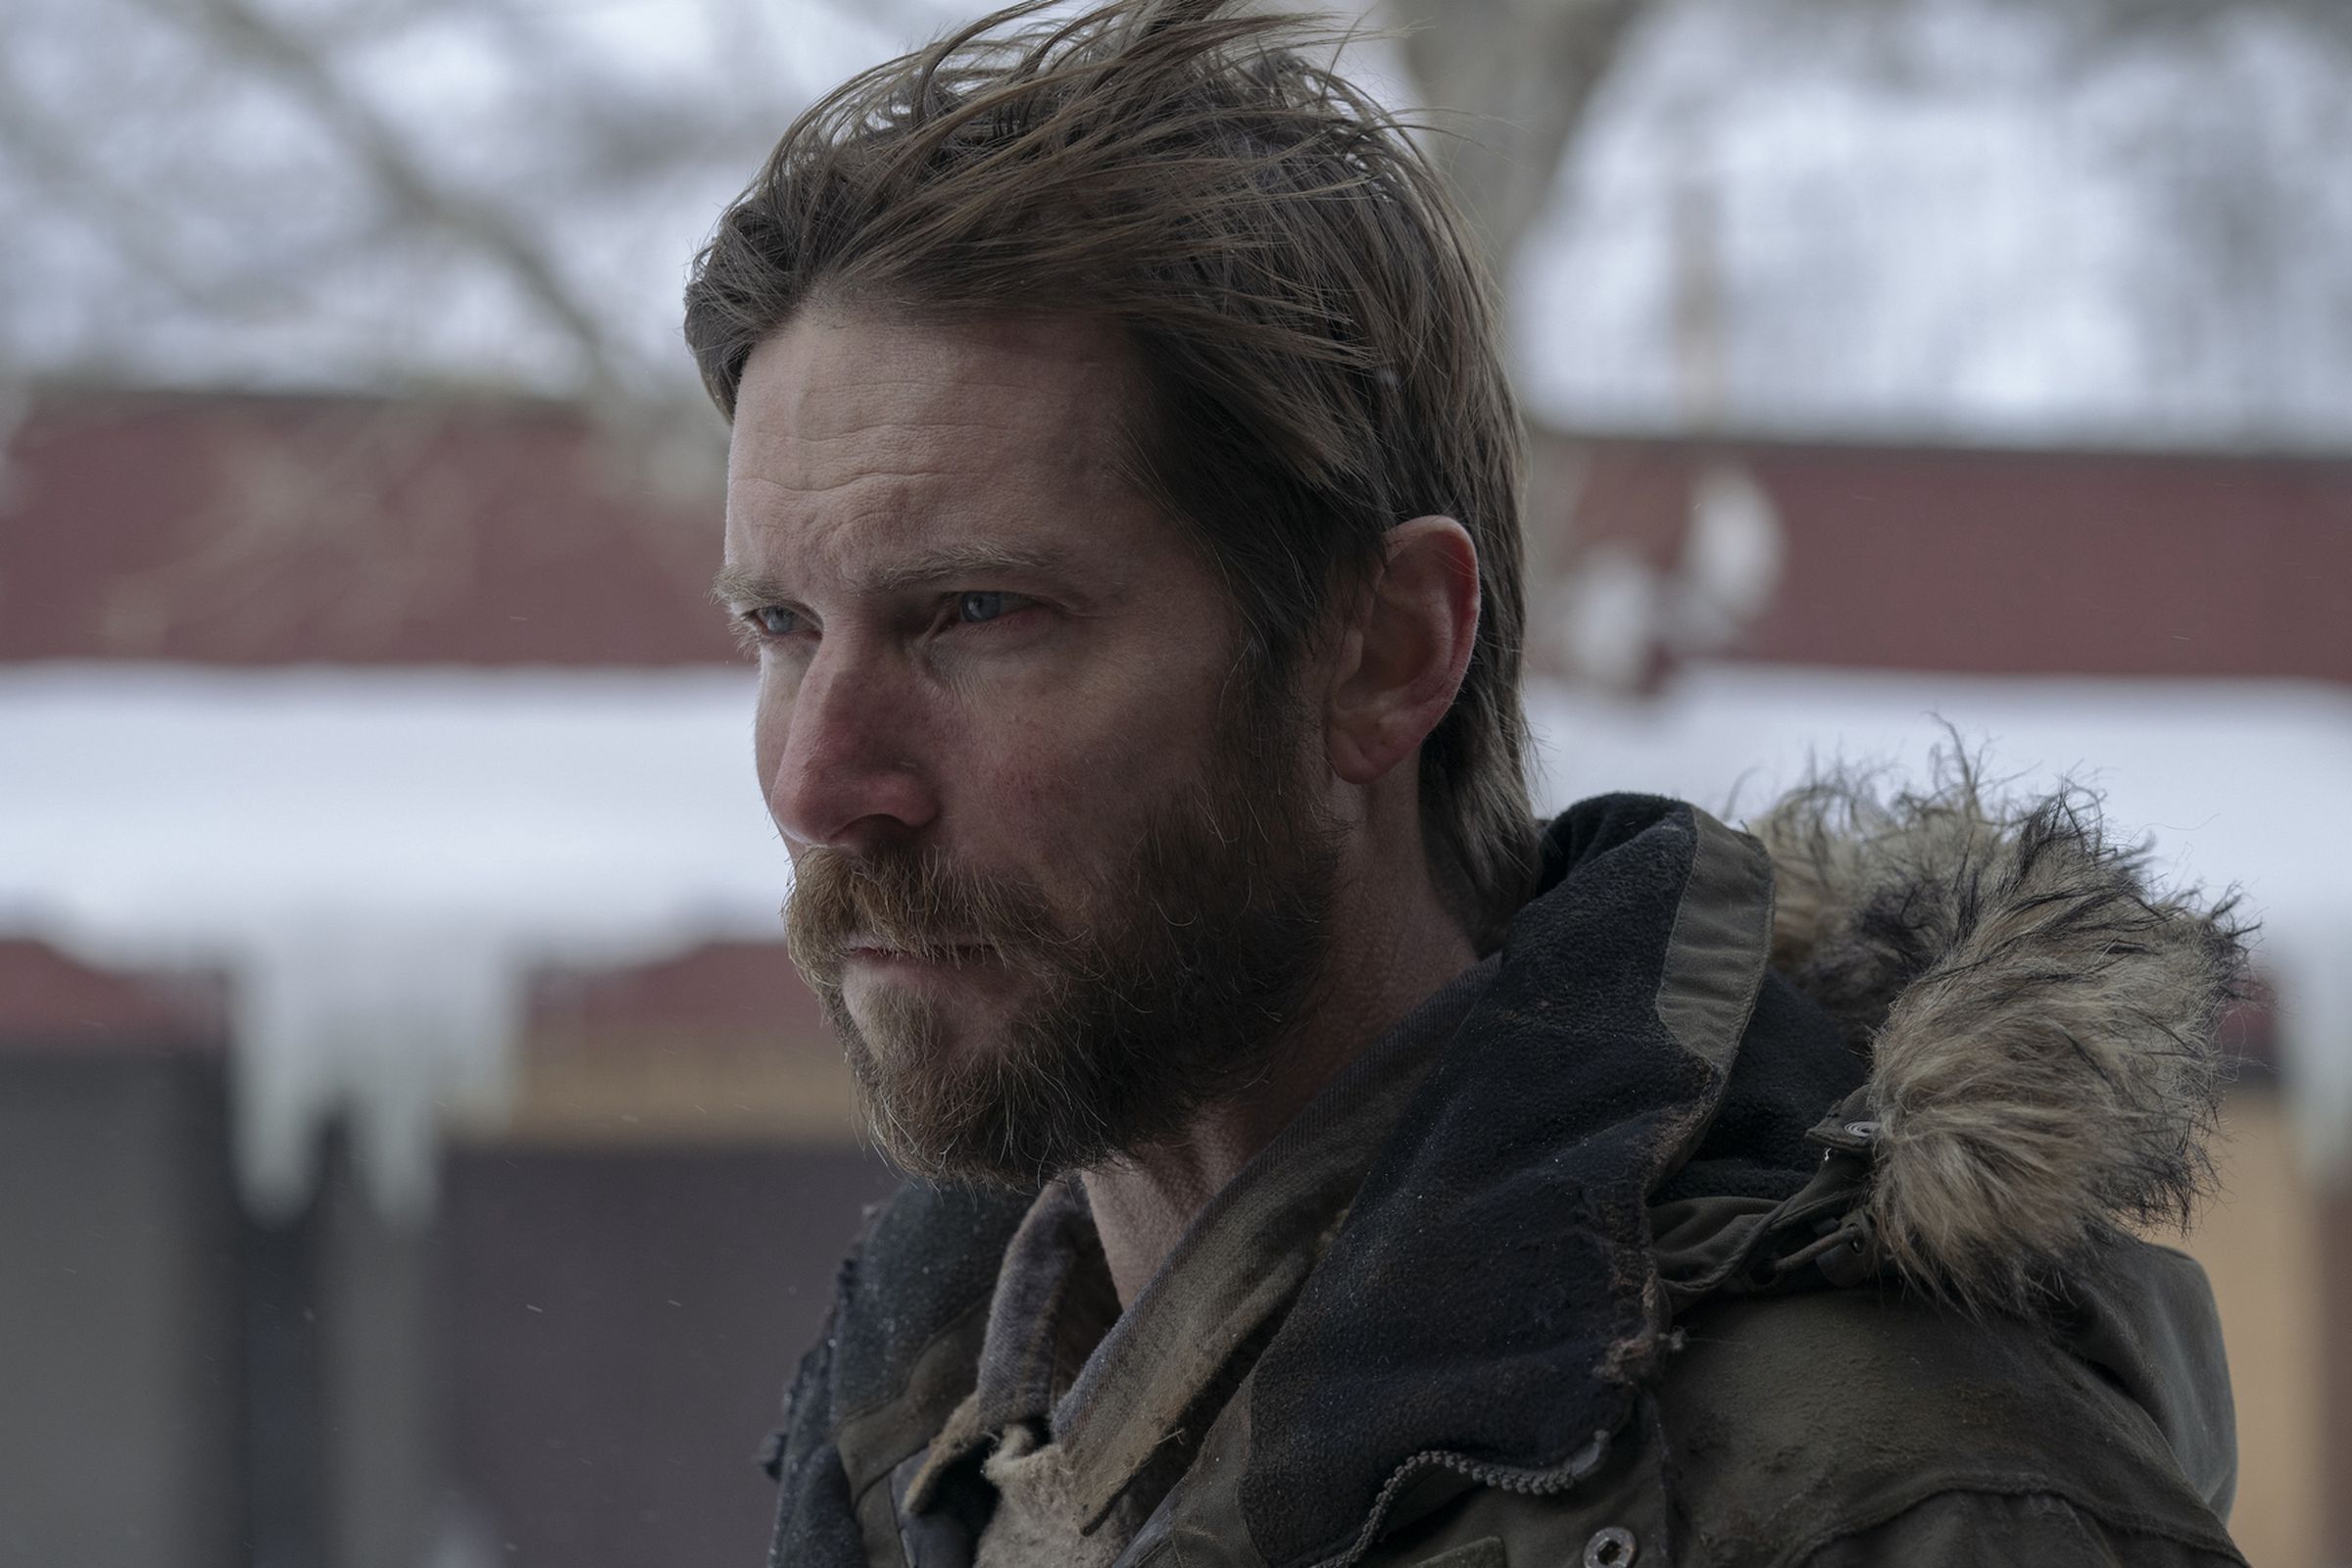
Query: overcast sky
column 1975, row 216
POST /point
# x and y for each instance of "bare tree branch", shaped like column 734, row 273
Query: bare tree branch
column 412, row 190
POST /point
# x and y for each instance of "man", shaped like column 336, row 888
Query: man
column 1318, row 1162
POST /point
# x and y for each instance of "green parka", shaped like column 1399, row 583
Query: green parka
column 1767, row 1206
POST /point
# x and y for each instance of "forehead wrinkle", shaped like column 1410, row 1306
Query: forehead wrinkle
column 862, row 506
column 863, row 393
column 878, row 550
column 976, row 410
column 951, row 447
column 966, row 564
column 907, row 457
column 867, row 449
column 954, row 563
column 900, row 477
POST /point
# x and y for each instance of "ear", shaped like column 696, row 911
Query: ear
column 1402, row 660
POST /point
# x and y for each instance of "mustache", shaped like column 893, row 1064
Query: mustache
column 917, row 902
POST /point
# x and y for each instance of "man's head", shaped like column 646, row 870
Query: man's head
column 1095, row 385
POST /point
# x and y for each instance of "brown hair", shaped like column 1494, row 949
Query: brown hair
column 1317, row 339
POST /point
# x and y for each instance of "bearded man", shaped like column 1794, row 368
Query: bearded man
column 1317, row 1160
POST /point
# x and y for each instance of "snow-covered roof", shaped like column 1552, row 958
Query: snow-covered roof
column 379, row 858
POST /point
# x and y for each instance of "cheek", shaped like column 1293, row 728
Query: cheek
column 771, row 717
column 1006, row 774
column 1028, row 782
column 1088, row 771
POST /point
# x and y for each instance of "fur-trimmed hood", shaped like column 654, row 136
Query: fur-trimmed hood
column 2038, row 1018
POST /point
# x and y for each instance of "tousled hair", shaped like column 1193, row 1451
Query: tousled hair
column 1315, row 340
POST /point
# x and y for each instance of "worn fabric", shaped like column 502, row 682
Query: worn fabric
column 1080, row 1407
column 1054, row 1305
column 1569, row 1057
column 1040, row 1515
column 1649, row 1263
column 2001, row 1529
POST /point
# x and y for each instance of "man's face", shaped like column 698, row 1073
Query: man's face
column 1057, row 879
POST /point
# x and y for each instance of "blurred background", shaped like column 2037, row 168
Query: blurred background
column 414, row 1148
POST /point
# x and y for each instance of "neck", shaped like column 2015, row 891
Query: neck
column 1143, row 1201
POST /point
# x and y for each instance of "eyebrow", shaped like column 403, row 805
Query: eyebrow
column 949, row 565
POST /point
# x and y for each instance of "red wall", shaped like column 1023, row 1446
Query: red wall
column 244, row 531
column 2008, row 562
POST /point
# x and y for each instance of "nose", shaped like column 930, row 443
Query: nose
column 840, row 748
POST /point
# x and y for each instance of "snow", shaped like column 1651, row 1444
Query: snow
column 379, row 860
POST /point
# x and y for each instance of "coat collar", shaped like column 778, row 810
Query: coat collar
column 1592, row 1067
column 1503, row 1232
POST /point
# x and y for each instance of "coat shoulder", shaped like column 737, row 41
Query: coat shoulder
column 1795, row 1423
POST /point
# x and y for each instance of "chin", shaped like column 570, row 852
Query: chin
column 955, row 992
column 917, row 1020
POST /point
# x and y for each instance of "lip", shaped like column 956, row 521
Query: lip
column 958, row 954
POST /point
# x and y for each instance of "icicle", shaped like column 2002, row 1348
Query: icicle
column 394, row 1023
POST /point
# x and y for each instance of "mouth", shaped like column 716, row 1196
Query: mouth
column 945, row 954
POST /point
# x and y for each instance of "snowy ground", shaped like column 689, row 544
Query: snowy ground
column 380, row 859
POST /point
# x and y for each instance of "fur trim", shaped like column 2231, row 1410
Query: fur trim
column 2040, row 1021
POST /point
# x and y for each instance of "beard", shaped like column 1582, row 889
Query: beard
column 1173, row 985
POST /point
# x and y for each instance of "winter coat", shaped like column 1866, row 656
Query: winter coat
column 1768, row 1207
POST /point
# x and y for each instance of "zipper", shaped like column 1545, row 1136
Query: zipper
column 1508, row 1478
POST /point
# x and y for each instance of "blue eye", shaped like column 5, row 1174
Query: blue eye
column 972, row 609
column 776, row 622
